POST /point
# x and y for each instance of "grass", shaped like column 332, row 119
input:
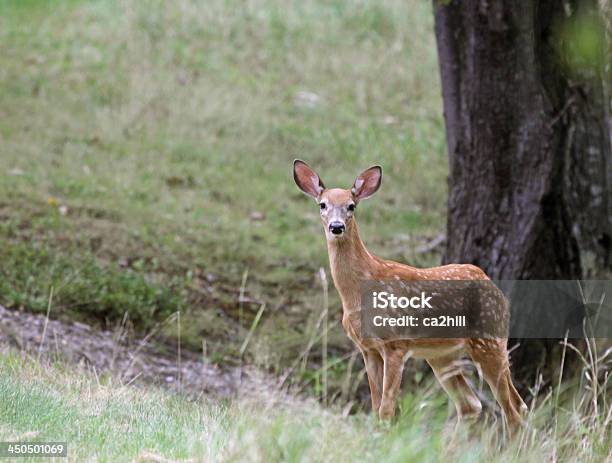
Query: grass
column 107, row 421
column 146, row 150
column 111, row 292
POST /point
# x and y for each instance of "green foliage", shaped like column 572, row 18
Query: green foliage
column 581, row 41
column 83, row 288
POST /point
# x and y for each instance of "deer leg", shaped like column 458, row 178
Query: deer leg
column 516, row 398
column 451, row 379
column 492, row 357
column 392, row 379
column 374, row 368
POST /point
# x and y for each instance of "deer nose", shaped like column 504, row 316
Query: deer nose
column 336, row 228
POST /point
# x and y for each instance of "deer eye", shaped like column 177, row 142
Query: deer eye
column 322, row 206
column 351, row 207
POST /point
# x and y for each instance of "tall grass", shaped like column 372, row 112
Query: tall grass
column 108, row 421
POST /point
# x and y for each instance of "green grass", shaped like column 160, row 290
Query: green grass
column 146, row 151
column 111, row 292
column 107, row 421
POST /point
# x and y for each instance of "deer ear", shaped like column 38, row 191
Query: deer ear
column 367, row 183
column 307, row 179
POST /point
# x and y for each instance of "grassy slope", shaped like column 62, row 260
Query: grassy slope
column 111, row 422
column 140, row 143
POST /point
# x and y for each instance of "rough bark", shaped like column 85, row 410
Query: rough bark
column 528, row 145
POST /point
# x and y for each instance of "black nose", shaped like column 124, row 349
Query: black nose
column 336, row 228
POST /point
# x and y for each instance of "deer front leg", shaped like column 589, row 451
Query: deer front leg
column 374, row 368
column 393, row 369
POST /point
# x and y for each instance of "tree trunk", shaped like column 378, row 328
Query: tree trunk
column 528, row 144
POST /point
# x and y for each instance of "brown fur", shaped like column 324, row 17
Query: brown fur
column 352, row 264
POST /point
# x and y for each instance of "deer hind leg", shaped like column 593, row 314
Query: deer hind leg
column 516, row 398
column 450, row 376
column 492, row 357
column 392, row 379
column 374, row 368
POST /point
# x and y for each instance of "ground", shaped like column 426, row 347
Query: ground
column 140, row 362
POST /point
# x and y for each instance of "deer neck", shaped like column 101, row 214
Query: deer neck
column 351, row 264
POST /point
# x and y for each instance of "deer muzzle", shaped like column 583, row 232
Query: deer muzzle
column 337, row 228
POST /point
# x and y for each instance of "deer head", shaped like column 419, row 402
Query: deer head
column 336, row 205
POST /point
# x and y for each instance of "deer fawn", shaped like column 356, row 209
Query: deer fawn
column 351, row 264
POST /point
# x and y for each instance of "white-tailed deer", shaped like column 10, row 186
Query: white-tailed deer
column 352, row 264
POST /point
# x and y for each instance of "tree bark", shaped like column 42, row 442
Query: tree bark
column 530, row 164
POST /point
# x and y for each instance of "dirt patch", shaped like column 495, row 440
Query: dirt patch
column 133, row 361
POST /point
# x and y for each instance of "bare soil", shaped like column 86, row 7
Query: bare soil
column 132, row 360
